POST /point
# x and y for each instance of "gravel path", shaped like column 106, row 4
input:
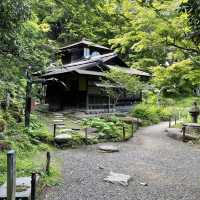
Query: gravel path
column 171, row 169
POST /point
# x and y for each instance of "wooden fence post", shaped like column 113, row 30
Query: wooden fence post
column 54, row 130
column 33, row 186
column 184, row 131
column 137, row 124
column 124, row 133
column 170, row 122
column 48, row 163
column 132, row 129
column 11, row 175
column 86, row 135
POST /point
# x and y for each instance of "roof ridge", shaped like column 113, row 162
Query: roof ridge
column 84, row 41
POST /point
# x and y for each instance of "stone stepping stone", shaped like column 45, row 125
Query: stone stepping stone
column 58, row 121
column 23, row 188
column 116, row 178
column 107, row 148
column 63, row 138
column 61, row 126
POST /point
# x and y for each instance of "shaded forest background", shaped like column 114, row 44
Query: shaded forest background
column 158, row 36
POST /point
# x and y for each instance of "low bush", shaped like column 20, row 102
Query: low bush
column 109, row 128
column 151, row 114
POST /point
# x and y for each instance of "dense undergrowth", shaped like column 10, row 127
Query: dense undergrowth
column 30, row 146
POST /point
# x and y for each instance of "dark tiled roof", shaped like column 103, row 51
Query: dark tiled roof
column 81, row 66
column 130, row 71
column 88, row 72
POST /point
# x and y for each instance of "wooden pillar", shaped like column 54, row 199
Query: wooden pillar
column 170, row 122
column 184, row 131
column 132, row 128
column 44, row 89
column 124, row 133
column 108, row 104
column 137, row 124
column 54, row 130
column 87, row 102
column 86, row 135
column 33, row 186
column 48, row 163
column 11, row 175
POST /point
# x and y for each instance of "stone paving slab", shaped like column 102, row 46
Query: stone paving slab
column 108, row 148
column 58, row 121
column 23, row 188
column 117, row 178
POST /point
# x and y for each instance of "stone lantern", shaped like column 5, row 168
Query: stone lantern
column 194, row 112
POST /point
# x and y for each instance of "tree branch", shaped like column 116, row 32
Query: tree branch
column 183, row 48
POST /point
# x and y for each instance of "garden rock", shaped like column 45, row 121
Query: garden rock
column 101, row 135
column 92, row 130
column 108, row 148
column 143, row 184
column 116, row 178
column 63, row 138
column 174, row 133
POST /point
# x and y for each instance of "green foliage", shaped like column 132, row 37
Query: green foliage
column 192, row 7
column 2, row 125
column 107, row 128
column 29, row 145
column 129, row 84
column 180, row 78
column 150, row 113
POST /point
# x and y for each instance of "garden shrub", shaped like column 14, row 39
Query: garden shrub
column 151, row 113
column 2, row 125
column 108, row 128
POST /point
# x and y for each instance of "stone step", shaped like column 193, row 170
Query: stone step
column 23, row 188
column 63, row 119
column 59, row 117
column 57, row 113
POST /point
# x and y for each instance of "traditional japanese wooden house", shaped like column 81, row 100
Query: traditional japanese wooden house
column 75, row 83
